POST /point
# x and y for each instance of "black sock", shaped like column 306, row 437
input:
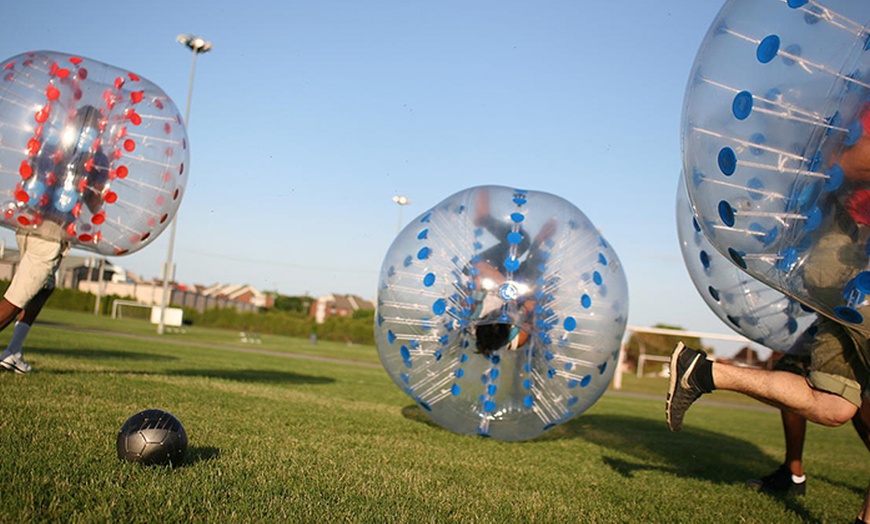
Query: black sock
column 703, row 375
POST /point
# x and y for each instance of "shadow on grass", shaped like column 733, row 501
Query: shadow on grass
column 651, row 446
column 259, row 376
column 100, row 354
column 250, row 375
column 414, row 413
column 841, row 485
column 201, row 454
column 691, row 453
column 240, row 375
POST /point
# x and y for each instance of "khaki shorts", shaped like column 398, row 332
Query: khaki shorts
column 836, row 364
column 840, row 355
column 40, row 260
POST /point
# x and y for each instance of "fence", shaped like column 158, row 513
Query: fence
column 152, row 295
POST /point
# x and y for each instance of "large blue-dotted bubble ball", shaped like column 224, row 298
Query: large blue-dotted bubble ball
column 746, row 305
column 776, row 147
column 501, row 312
column 91, row 153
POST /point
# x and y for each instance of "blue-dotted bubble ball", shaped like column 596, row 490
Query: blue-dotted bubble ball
column 501, row 312
column 92, row 154
column 776, row 147
column 746, row 305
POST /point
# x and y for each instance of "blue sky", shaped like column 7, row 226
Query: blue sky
column 308, row 116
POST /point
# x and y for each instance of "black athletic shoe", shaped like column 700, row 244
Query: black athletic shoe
column 683, row 389
column 778, row 483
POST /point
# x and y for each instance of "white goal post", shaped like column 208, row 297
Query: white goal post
column 139, row 311
column 131, row 309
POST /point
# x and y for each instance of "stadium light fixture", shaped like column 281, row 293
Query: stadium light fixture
column 402, row 201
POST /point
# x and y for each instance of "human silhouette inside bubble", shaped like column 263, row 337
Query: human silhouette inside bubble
column 458, row 278
column 68, row 171
column 492, row 331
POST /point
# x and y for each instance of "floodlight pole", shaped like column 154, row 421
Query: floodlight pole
column 197, row 45
column 402, row 201
column 101, row 287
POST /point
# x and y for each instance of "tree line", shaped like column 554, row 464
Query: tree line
column 288, row 317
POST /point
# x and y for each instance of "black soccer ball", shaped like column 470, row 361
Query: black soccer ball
column 152, row 437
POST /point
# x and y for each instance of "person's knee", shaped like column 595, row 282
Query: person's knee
column 837, row 411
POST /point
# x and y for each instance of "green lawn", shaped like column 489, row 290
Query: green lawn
column 277, row 438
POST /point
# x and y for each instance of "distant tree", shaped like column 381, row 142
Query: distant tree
column 299, row 304
column 347, row 329
column 364, row 314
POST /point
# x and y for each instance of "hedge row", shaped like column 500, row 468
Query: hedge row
column 73, row 300
column 357, row 330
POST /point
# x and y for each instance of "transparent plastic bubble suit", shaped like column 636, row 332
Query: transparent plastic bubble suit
column 90, row 153
column 493, row 257
column 746, row 305
column 776, row 147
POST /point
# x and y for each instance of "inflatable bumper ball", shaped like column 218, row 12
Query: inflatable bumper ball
column 501, row 312
column 91, row 154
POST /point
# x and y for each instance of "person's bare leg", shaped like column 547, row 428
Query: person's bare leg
column 8, row 360
column 789, row 478
column 31, row 311
column 795, row 428
column 861, row 422
column 785, row 391
column 865, row 508
column 8, row 312
column 25, row 321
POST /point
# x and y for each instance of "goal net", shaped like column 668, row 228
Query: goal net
column 131, row 309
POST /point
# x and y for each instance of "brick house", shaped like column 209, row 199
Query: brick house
column 335, row 305
column 240, row 293
column 747, row 357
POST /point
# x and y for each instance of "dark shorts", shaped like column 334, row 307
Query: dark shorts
column 797, row 364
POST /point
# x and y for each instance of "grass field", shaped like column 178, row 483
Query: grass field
column 278, row 438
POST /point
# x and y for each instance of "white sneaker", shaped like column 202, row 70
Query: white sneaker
column 15, row 362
